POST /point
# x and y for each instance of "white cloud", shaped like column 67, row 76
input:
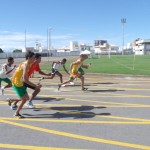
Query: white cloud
column 16, row 40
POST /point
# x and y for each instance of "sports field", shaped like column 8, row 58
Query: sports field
column 133, row 65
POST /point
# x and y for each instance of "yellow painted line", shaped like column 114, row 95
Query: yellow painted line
column 114, row 117
column 95, row 95
column 125, row 118
column 116, row 79
column 104, row 80
column 77, row 121
column 24, row 147
column 102, row 116
column 2, row 102
column 107, row 88
column 95, row 88
column 114, row 103
column 104, row 95
column 130, row 96
column 107, row 105
column 100, row 102
column 77, row 136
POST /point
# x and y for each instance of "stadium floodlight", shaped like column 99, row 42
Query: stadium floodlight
column 49, row 41
column 25, row 41
column 123, row 21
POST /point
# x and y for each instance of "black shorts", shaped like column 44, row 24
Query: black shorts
column 28, row 86
column 54, row 71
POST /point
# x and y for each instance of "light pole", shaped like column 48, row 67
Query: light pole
column 123, row 21
column 25, row 41
column 49, row 41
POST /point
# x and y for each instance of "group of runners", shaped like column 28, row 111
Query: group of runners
column 18, row 77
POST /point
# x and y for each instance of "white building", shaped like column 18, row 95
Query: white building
column 114, row 48
column 141, row 47
column 102, row 47
column 32, row 49
column 38, row 47
column 85, row 47
column 63, row 49
column 74, row 46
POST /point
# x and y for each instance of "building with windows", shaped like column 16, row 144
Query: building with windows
column 74, row 46
column 103, row 47
column 141, row 46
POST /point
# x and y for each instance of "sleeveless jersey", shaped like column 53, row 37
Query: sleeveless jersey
column 3, row 71
column 76, row 66
column 17, row 77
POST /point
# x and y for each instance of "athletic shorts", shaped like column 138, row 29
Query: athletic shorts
column 81, row 70
column 75, row 75
column 28, row 86
column 21, row 91
column 54, row 71
column 7, row 80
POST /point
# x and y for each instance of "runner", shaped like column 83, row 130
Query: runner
column 33, row 67
column 6, row 73
column 21, row 76
column 74, row 69
column 55, row 69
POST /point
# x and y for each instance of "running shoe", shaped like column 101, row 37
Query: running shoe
column 13, row 107
column 30, row 104
column 59, row 86
column 84, row 89
column 2, row 90
column 72, row 83
column 18, row 116
column 9, row 101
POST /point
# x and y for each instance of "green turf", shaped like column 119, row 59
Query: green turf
column 134, row 65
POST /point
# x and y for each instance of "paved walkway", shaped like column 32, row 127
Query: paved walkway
column 114, row 114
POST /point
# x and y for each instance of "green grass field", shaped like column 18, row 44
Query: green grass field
column 134, row 65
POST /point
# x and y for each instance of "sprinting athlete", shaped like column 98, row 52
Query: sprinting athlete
column 6, row 73
column 33, row 67
column 55, row 69
column 74, row 70
column 20, row 76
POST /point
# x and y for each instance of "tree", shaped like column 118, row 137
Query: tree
column 1, row 51
column 17, row 51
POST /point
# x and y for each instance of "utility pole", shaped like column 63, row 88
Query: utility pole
column 49, row 41
column 25, row 40
column 123, row 21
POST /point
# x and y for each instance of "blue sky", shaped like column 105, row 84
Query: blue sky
column 79, row 20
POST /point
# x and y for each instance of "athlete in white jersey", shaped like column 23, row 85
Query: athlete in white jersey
column 55, row 69
column 6, row 73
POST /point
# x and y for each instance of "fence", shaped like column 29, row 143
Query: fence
column 55, row 54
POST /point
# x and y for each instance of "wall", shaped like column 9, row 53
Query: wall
column 55, row 54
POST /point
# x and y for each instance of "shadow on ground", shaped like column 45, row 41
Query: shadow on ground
column 104, row 83
column 109, row 90
column 68, row 112
column 48, row 99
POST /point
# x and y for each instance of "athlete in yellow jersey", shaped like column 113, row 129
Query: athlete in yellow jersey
column 21, row 76
column 74, row 71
